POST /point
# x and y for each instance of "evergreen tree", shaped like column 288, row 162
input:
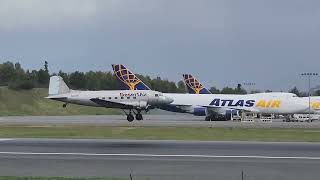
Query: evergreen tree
column 214, row 90
column 295, row 90
column 317, row 92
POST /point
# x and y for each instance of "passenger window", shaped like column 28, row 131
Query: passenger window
column 122, row 97
column 116, row 98
column 134, row 97
column 157, row 95
column 128, row 97
column 103, row 98
column 110, row 98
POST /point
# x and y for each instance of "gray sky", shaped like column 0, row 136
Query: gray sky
column 222, row 42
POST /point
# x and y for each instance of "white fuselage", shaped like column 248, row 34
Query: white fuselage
column 264, row 103
column 113, row 99
column 314, row 104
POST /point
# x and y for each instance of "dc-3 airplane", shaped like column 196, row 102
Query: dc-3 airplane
column 207, row 104
column 132, row 100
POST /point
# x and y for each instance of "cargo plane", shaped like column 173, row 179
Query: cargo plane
column 207, row 104
column 195, row 87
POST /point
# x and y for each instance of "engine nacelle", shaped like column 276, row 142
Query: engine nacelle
column 143, row 105
column 200, row 111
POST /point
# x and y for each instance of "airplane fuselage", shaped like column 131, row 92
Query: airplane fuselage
column 141, row 99
column 264, row 103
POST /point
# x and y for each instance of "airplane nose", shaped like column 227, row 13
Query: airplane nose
column 165, row 100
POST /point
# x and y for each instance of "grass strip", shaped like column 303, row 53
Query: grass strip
column 160, row 133
column 53, row 178
column 33, row 103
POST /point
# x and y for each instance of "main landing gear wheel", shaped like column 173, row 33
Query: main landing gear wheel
column 139, row 117
column 130, row 117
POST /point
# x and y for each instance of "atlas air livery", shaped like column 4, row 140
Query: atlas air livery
column 208, row 104
column 314, row 104
column 194, row 86
column 127, row 79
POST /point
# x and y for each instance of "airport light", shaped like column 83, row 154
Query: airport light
column 309, row 75
column 249, row 84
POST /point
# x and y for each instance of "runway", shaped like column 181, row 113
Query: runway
column 157, row 160
column 150, row 121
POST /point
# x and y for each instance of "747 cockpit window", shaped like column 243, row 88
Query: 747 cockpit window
column 157, row 95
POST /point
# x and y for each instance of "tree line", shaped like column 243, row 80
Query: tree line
column 17, row 78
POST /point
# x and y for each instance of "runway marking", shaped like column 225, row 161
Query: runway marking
column 6, row 139
column 163, row 155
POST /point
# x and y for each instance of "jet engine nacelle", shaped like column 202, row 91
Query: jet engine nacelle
column 200, row 111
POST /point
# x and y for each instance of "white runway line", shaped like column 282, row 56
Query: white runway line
column 6, row 139
column 162, row 155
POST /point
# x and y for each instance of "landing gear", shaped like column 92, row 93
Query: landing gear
column 139, row 116
column 130, row 117
column 215, row 117
column 64, row 105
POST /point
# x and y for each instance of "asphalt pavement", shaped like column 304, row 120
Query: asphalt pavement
column 149, row 121
column 155, row 160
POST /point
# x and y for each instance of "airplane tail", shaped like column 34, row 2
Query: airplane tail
column 194, row 86
column 57, row 86
column 128, row 80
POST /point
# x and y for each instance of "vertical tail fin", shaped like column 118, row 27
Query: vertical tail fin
column 194, row 86
column 127, row 79
column 57, row 86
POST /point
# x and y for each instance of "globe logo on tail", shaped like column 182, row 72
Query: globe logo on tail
column 126, row 76
column 192, row 83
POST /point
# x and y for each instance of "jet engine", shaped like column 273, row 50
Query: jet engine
column 200, row 111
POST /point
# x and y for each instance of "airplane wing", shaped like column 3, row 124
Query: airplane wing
column 58, row 98
column 111, row 104
column 185, row 108
column 216, row 109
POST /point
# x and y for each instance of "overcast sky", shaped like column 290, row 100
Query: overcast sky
column 222, row 42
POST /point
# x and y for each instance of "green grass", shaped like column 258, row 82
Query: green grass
column 53, row 178
column 33, row 103
column 160, row 133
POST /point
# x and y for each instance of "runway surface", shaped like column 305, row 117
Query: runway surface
column 150, row 121
column 158, row 160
